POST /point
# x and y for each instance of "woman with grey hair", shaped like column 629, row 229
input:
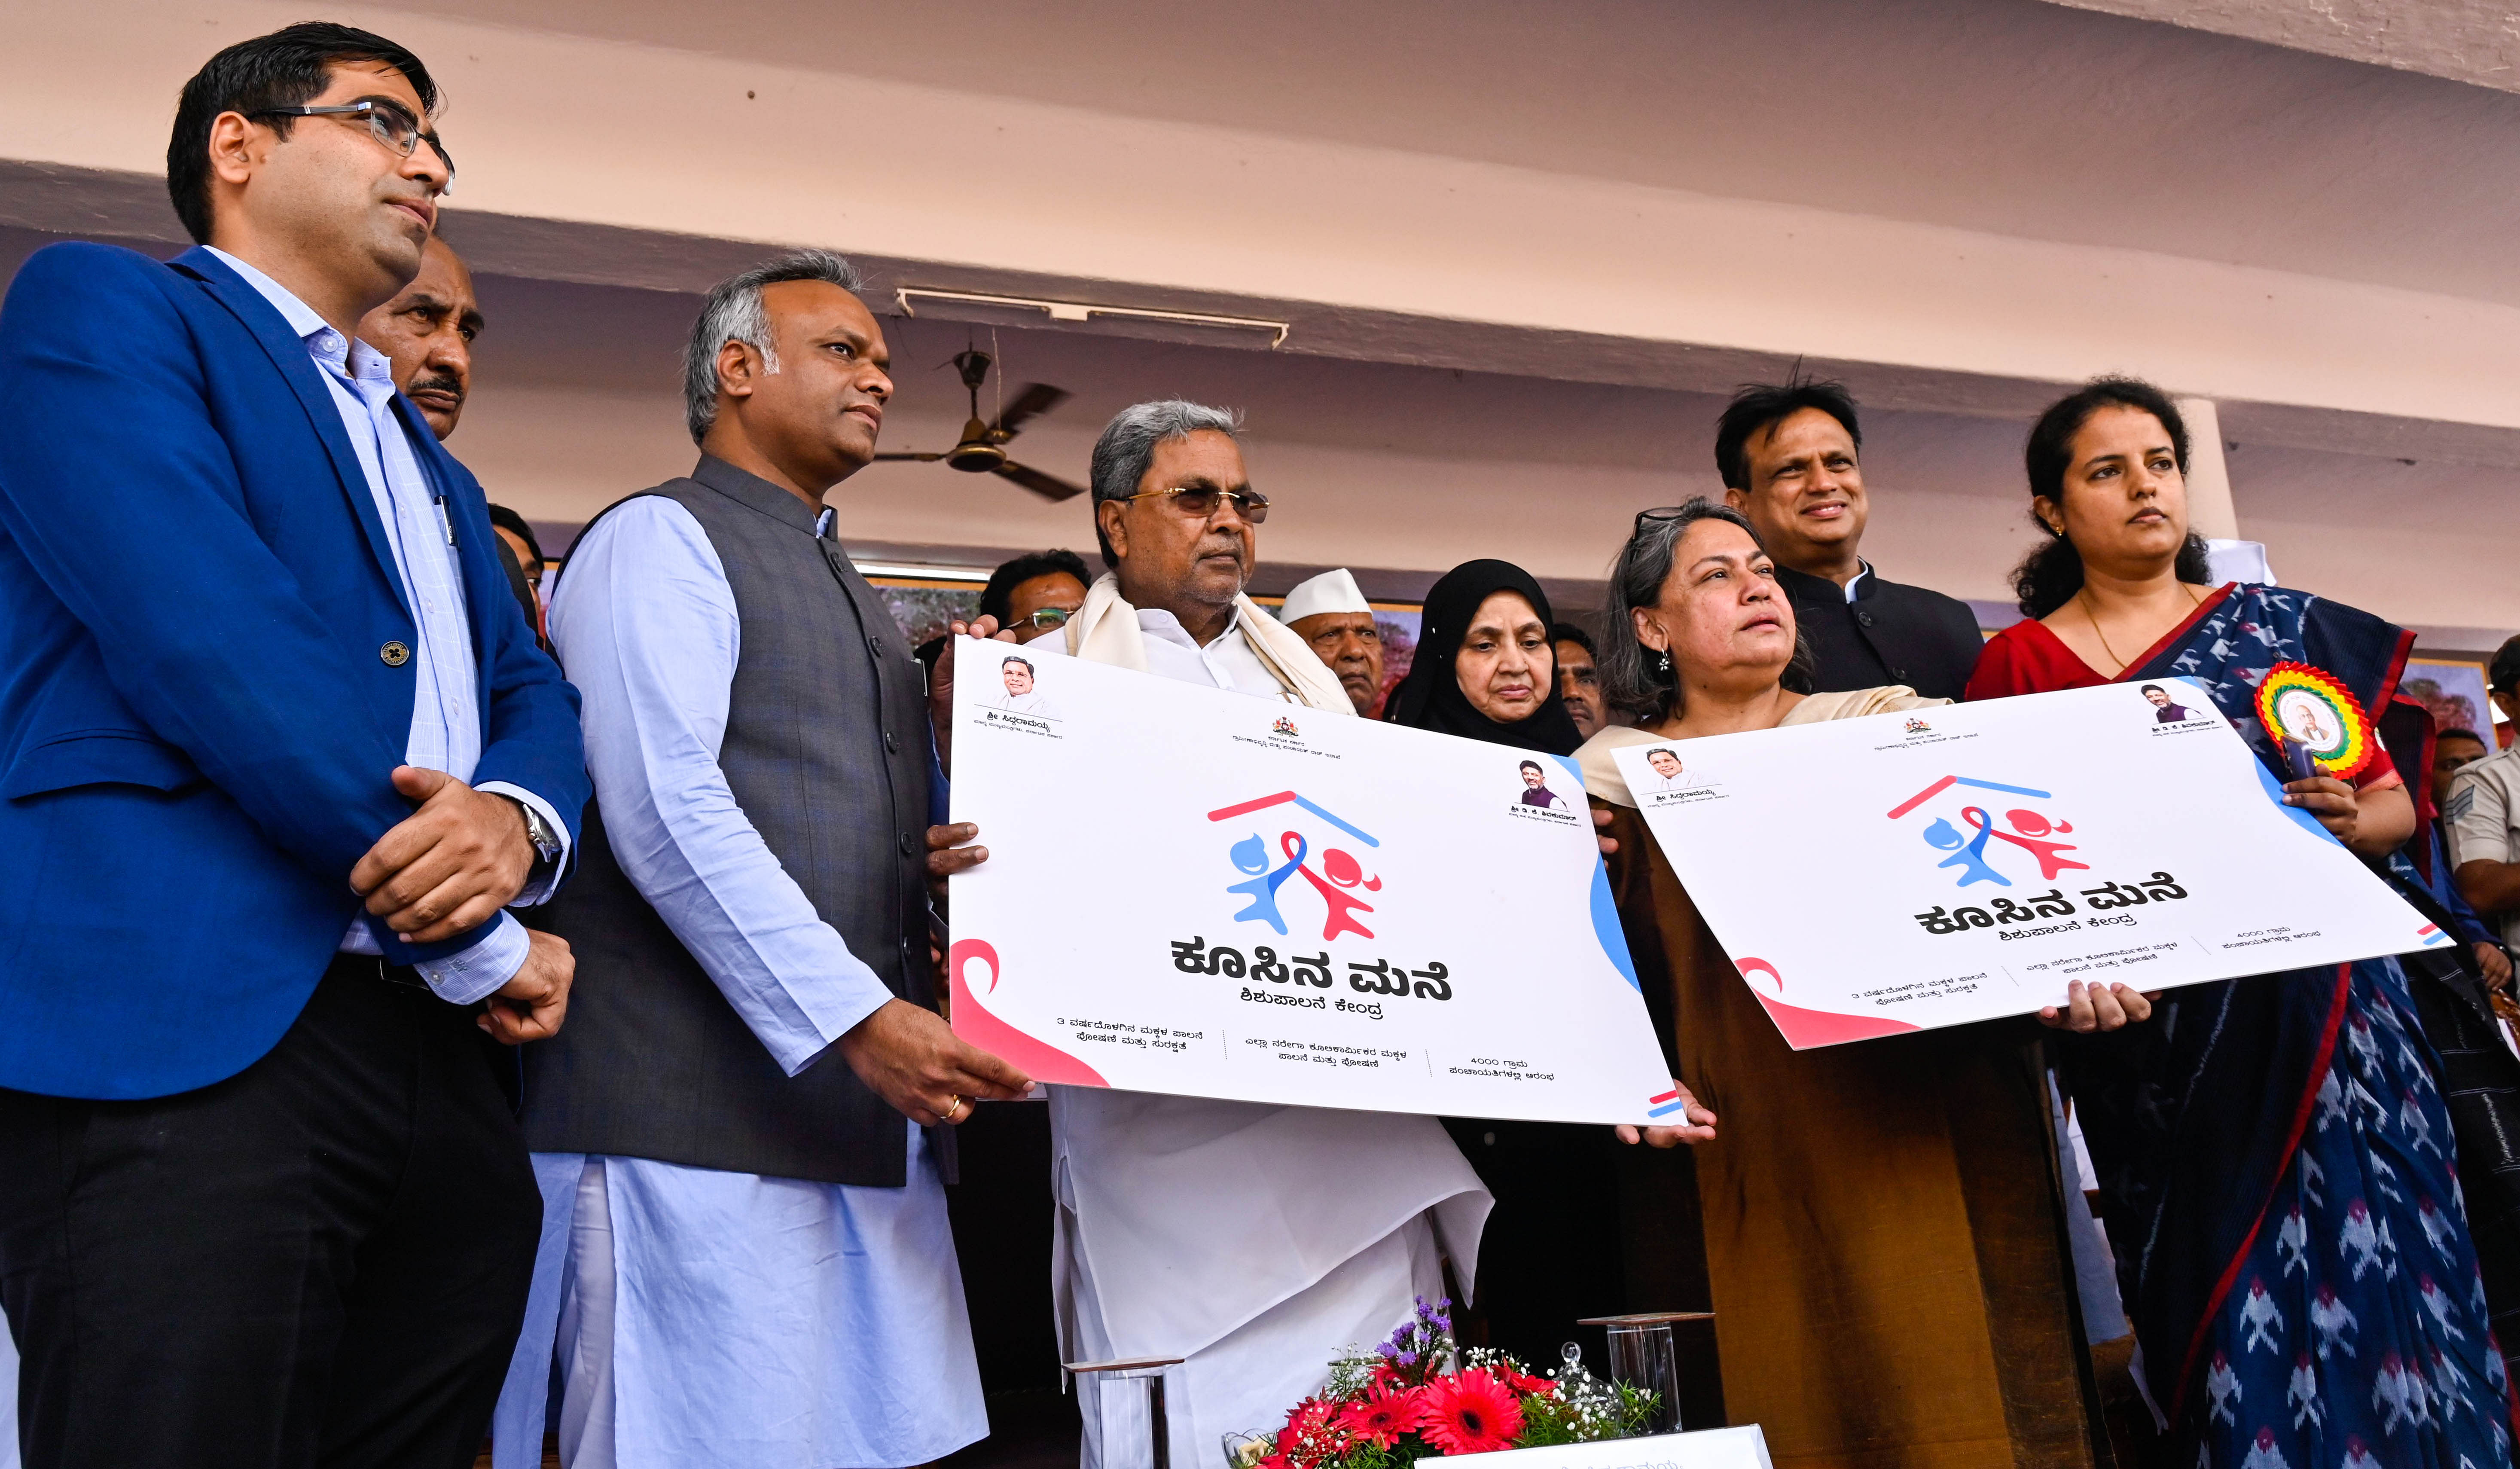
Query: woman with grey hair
column 1886, row 1209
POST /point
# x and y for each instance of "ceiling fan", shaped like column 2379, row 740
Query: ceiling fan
column 983, row 446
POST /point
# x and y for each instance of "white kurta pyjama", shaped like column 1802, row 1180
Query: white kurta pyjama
column 1254, row 1241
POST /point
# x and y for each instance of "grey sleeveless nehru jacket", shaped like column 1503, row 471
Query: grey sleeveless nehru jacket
column 825, row 750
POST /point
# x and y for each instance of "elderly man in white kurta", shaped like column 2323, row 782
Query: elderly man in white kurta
column 1254, row 1241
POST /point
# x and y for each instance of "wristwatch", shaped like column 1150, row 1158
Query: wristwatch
column 547, row 842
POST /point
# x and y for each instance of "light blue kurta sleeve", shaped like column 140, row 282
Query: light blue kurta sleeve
column 645, row 624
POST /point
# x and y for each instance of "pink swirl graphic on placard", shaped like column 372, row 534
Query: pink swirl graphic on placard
column 1035, row 1058
column 1806, row 1028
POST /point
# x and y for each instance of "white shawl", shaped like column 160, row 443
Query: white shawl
column 1105, row 630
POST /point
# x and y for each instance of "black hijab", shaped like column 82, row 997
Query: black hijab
column 1431, row 697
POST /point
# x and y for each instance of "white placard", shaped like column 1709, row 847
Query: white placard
column 1197, row 891
column 1905, row 871
column 1742, row 1448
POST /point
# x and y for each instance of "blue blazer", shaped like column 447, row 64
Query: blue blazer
column 197, row 720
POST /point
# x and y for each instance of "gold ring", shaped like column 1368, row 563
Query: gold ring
column 956, row 1110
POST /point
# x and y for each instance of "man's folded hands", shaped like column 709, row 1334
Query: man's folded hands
column 448, row 867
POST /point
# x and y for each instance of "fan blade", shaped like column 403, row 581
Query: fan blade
column 1048, row 486
column 1031, row 402
column 914, row 458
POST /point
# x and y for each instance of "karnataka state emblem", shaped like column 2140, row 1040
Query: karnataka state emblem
column 1284, row 726
column 2309, row 707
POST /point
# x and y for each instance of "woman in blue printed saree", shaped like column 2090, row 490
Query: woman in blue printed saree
column 2280, row 1186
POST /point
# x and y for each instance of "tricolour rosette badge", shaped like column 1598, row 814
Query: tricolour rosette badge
column 2310, row 708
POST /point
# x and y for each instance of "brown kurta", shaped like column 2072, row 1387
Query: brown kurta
column 1882, row 1238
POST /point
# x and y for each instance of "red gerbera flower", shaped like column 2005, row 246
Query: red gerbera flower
column 1305, row 1417
column 1382, row 1415
column 1471, row 1412
column 1313, row 1432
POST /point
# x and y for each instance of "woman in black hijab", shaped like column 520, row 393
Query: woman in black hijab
column 1486, row 671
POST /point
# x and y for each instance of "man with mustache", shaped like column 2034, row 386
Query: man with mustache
column 275, row 770
column 1330, row 613
column 426, row 334
column 743, row 1137
column 1579, row 679
column 1254, row 1241
column 1034, row 595
column 1787, row 453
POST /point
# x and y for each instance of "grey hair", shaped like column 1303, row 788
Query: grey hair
column 1632, row 683
column 1128, row 445
column 735, row 313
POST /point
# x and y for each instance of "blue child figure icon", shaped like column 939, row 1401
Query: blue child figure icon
column 1969, row 857
column 1252, row 854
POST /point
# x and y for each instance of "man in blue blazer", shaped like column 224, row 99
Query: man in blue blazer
column 277, row 751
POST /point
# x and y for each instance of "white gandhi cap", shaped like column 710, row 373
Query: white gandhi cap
column 1331, row 591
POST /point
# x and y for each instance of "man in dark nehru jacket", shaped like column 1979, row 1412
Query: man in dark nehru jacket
column 743, row 1135
column 1788, row 454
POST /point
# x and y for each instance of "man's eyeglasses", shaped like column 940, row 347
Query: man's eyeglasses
column 389, row 122
column 1200, row 501
column 1045, row 620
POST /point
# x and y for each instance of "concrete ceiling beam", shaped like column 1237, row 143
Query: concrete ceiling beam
column 66, row 200
column 2471, row 41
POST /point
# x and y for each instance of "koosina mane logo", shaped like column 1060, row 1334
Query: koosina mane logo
column 1284, row 726
column 2030, row 831
column 1341, row 874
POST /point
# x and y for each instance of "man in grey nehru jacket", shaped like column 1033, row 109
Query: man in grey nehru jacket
column 745, row 1259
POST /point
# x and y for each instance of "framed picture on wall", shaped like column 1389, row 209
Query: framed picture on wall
column 925, row 605
column 2453, row 690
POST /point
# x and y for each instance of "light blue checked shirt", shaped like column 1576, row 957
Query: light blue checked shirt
column 447, row 703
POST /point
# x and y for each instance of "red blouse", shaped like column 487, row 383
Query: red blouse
column 2028, row 659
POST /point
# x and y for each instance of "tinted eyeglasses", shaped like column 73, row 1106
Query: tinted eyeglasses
column 1044, row 620
column 389, row 122
column 1200, row 501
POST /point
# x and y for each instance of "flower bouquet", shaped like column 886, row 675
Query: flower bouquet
column 1419, row 1396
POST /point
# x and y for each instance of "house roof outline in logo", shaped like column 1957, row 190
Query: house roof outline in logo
column 1290, row 797
column 1948, row 781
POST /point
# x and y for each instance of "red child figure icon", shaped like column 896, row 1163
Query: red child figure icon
column 1344, row 871
column 2033, row 825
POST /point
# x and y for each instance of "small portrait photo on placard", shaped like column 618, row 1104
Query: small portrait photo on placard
column 1018, row 689
column 1671, row 779
column 1535, row 790
column 2166, row 707
column 1009, row 693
